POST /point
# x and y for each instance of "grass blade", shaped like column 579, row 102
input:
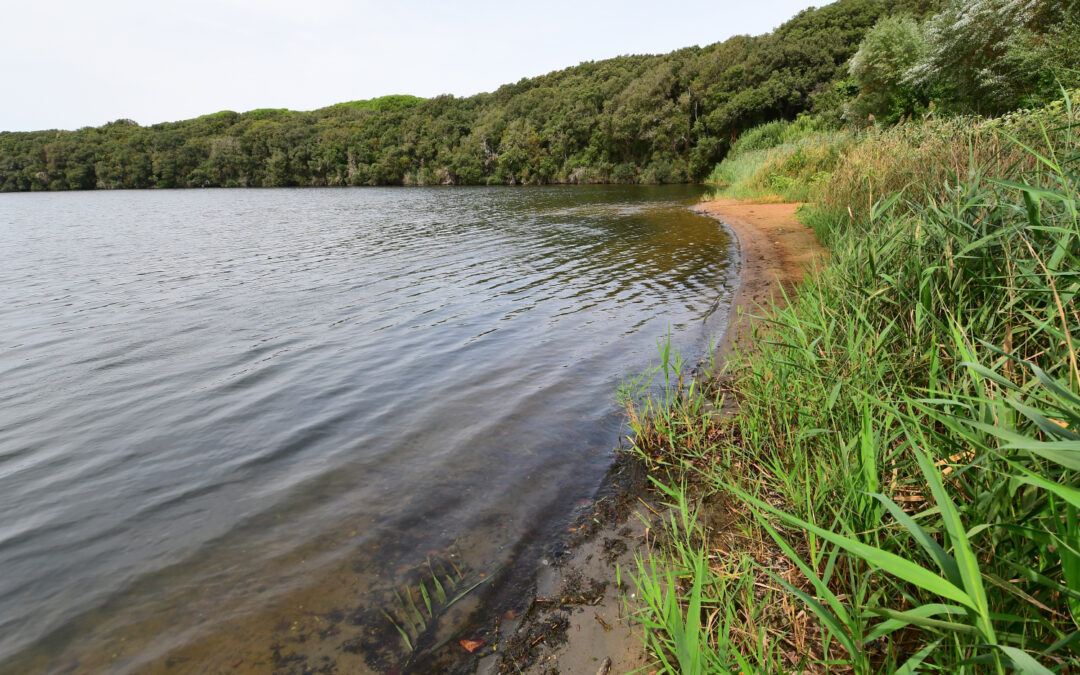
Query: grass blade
column 888, row 562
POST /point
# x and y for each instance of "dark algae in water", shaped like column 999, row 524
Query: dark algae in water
column 410, row 627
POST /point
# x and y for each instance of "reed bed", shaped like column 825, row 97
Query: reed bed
column 795, row 169
column 898, row 490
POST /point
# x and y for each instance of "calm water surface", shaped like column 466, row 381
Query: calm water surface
column 233, row 423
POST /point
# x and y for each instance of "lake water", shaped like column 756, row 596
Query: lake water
column 237, row 427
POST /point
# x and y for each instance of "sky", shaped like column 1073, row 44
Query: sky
column 70, row 64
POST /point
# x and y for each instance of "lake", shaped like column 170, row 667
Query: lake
column 232, row 419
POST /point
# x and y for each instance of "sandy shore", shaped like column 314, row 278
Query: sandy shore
column 578, row 625
column 775, row 251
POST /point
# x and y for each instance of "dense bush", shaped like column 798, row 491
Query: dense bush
column 790, row 161
column 880, row 68
column 847, row 171
column 983, row 57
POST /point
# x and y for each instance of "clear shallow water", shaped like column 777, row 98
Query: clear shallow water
column 220, row 406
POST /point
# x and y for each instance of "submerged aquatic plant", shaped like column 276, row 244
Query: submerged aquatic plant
column 416, row 608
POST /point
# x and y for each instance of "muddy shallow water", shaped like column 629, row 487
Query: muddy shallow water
column 289, row 429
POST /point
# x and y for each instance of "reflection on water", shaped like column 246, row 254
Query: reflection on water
column 237, row 426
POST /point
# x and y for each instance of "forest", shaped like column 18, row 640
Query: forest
column 639, row 118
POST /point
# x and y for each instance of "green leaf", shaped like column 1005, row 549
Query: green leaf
column 427, row 599
column 921, row 617
column 819, row 585
column 416, row 612
column 965, row 557
column 828, row 618
column 911, row 666
column 1069, row 494
column 888, row 562
column 1045, row 425
column 1053, row 385
column 1031, row 202
column 1065, row 453
column 400, row 630
column 439, row 592
column 868, row 453
column 1024, row 662
column 945, row 562
column 465, row 592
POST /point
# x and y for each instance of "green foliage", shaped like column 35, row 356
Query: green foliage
column 991, row 56
column 880, row 67
column 772, row 134
column 639, row 118
column 674, row 631
column 969, row 57
column 392, row 102
column 847, row 170
column 908, row 440
column 926, row 159
column 790, row 160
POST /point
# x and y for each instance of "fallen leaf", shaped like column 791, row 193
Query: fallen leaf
column 471, row 645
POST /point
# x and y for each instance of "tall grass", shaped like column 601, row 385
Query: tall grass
column 849, row 171
column 899, row 489
column 925, row 158
column 795, row 169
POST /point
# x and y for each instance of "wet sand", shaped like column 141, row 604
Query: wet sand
column 775, row 251
column 595, row 636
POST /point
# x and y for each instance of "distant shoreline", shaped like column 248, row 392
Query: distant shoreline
column 154, row 188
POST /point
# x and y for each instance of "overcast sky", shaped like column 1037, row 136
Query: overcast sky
column 71, row 64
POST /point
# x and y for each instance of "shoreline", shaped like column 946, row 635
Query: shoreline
column 775, row 251
column 582, row 625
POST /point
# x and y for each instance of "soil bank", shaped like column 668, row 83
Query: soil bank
column 578, row 623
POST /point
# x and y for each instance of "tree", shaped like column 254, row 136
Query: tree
column 879, row 70
column 988, row 56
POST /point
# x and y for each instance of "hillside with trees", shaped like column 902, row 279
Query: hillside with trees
column 644, row 118
column 666, row 118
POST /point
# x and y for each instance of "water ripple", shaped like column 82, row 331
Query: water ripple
column 204, row 388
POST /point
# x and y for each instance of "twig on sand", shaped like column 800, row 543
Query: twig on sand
column 605, row 666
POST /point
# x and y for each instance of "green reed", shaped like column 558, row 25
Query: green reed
column 900, row 486
column 416, row 608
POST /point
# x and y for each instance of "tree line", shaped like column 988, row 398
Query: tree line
column 636, row 118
